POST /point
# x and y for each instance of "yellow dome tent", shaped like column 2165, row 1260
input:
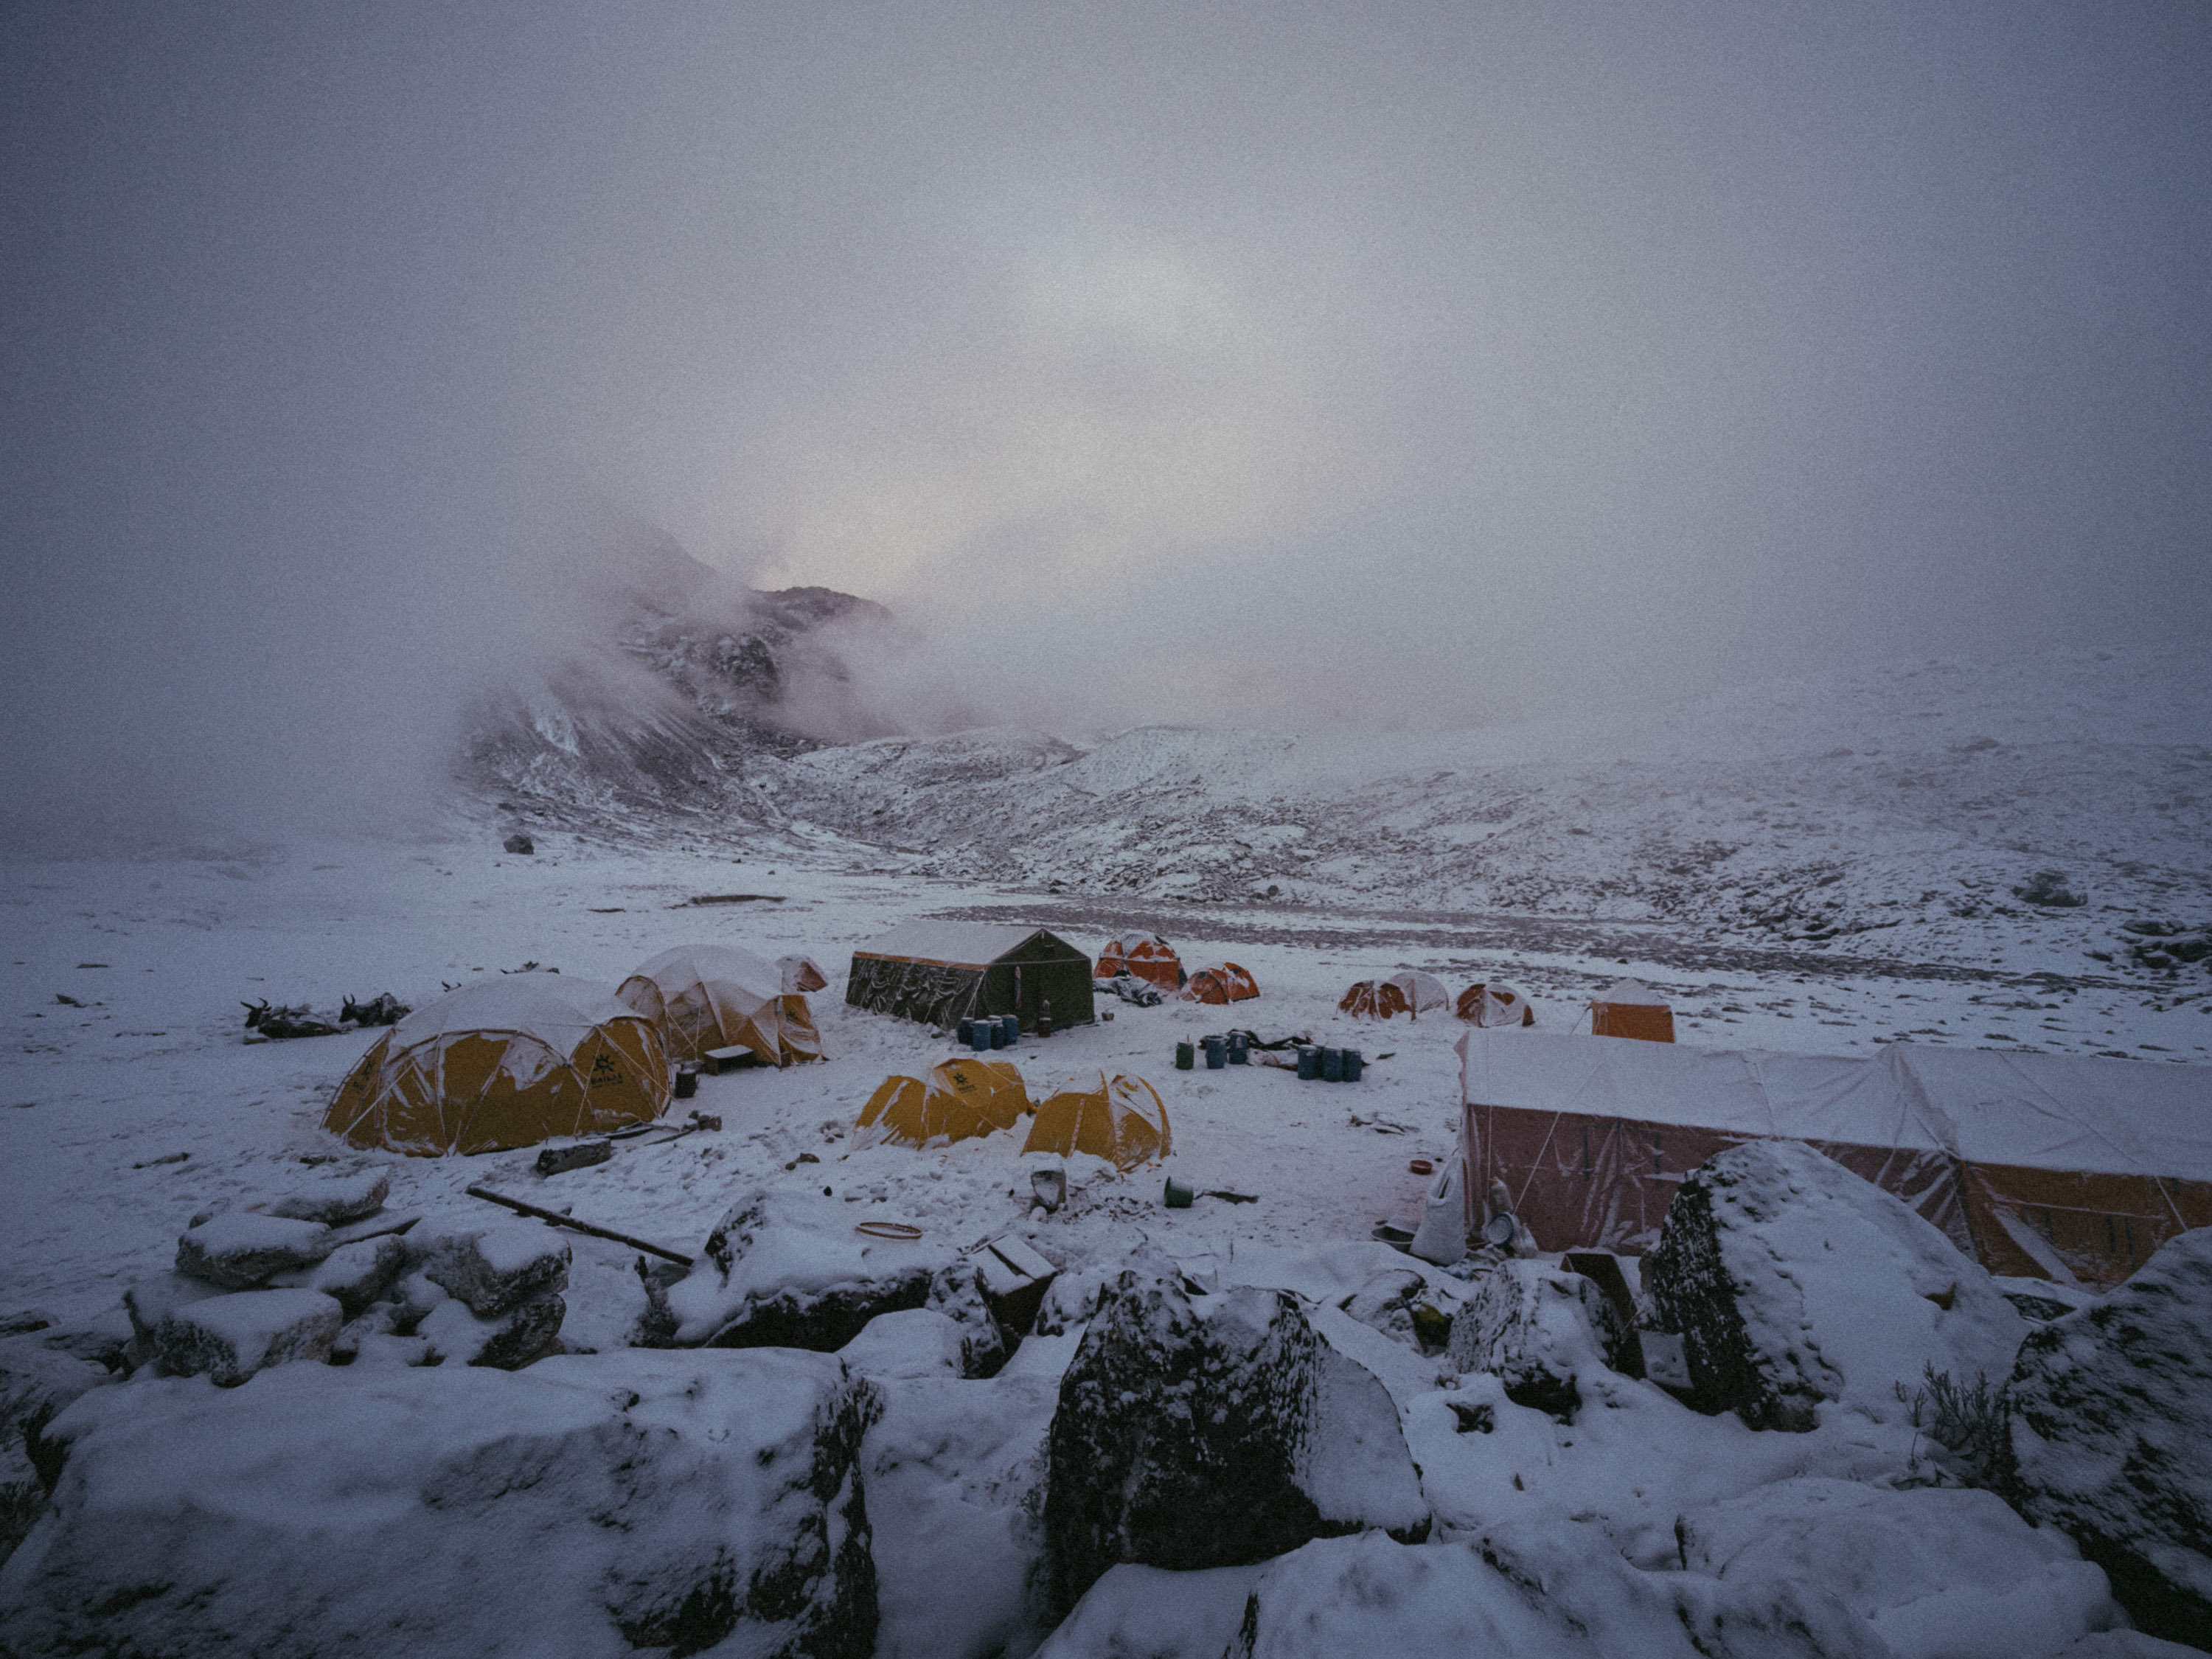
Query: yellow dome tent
column 963, row 1099
column 715, row 996
column 505, row 1063
column 1121, row 1120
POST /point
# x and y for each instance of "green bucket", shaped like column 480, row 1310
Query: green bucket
column 1178, row 1195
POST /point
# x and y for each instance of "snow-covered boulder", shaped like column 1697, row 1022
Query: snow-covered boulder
column 237, row 1249
column 496, row 1266
column 1160, row 1614
column 1792, row 1283
column 954, row 1473
column 228, row 1339
column 338, row 1200
column 381, row 1348
column 957, row 1292
column 1211, row 1431
column 592, row 1505
column 1552, row 1590
column 507, row 1341
column 2111, row 1437
column 1939, row 1573
column 357, row 1274
column 1535, row 1326
column 36, row 1383
column 787, row 1270
column 914, row 1342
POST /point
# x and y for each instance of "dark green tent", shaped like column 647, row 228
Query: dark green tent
column 943, row 972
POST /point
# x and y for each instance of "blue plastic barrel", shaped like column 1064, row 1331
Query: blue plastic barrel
column 1217, row 1053
column 1331, row 1064
column 967, row 1033
column 1354, row 1063
column 1012, row 1025
column 1240, row 1048
column 979, row 1034
column 1308, row 1065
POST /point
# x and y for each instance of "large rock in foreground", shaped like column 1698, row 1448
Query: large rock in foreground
column 786, row 1270
column 591, row 1506
column 1213, row 1431
column 1539, row 1591
column 1536, row 1327
column 1793, row 1282
column 1939, row 1573
column 2111, row 1437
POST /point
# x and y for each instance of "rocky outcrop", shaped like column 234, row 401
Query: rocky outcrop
column 2111, row 1437
column 594, row 1504
column 1536, row 1327
column 1794, row 1284
column 1213, row 1429
column 508, row 1340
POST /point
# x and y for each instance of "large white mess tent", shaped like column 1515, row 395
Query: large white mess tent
column 2041, row 1166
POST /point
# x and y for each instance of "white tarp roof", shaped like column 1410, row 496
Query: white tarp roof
column 2039, row 1111
column 1630, row 994
column 679, row 969
column 964, row 943
column 559, row 1011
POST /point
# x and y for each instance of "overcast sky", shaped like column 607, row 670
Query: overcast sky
column 1398, row 365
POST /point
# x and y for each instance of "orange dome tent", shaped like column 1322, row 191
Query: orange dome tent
column 715, row 996
column 1121, row 1120
column 1227, row 983
column 802, row 974
column 504, row 1063
column 963, row 1098
column 1630, row 1008
column 1145, row 955
column 1494, row 1005
column 1410, row 993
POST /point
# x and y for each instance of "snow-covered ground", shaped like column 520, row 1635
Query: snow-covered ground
column 1822, row 867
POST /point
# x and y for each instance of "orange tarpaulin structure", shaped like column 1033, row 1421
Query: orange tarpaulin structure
column 1227, row 983
column 1121, row 1120
column 2052, row 1166
column 963, row 1099
column 506, row 1063
column 1145, row 955
column 1631, row 1009
column 715, row 996
column 1494, row 1005
column 1410, row 993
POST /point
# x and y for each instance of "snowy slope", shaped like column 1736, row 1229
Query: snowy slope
column 1893, row 811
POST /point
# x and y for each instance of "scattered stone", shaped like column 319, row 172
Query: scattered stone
column 957, row 1293
column 507, row 1342
column 1215, row 1430
column 230, row 1338
column 150, row 1300
column 336, row 1202
column 2111, row 1437
column 1536, row 1327
column 237, row 1249
column 559, row 1160
column 518, row 842
column 1793, row 1282
column 598, row 1504
column 2049, row 888
column 496, row 1266
column 378, row 1319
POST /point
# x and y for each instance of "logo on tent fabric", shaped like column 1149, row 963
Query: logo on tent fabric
column 605, row 1072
